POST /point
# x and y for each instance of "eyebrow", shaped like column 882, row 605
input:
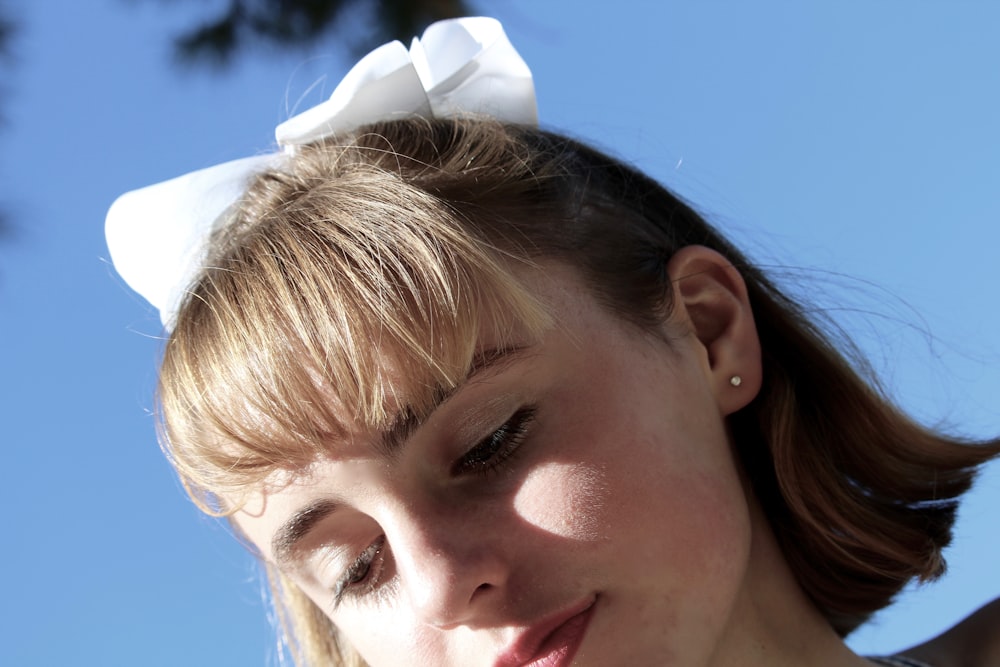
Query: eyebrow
column 287, row 537
column 409, row 420
column 290, row 533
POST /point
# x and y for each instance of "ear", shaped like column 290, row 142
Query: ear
column 711, row 298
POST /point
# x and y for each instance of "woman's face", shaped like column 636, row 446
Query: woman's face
column 574, row 501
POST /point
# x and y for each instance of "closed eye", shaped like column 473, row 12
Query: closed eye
column 364, row 575
column 498, row 447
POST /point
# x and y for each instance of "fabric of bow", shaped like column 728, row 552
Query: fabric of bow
column 158, row 236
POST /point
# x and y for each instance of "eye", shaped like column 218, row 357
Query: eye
column 363, row 575
column 498, row 447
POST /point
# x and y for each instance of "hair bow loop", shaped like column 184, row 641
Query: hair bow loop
column 464, row 66
column 384, row 84
column 158, row 236
column 473, row 68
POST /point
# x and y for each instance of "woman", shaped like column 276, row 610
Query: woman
column 479, row 394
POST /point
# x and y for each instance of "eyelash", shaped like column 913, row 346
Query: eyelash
column 497, row 448
column 364, row 575
column 365, row 572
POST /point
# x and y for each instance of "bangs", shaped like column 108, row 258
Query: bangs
column 322, row 318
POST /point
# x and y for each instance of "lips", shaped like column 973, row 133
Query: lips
column 553, row 641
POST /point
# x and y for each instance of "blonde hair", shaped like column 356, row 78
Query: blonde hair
column 383, row 252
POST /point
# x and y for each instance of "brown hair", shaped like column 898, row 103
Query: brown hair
column 406, row 232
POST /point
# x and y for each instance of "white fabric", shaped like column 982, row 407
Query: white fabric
column 158, row 236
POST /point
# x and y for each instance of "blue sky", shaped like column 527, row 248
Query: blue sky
column 853, row 147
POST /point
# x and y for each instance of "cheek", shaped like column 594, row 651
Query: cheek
column 394, row 638
column 687, row 499
column 569, row 500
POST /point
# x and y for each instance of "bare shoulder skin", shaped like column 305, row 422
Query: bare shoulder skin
column 973, row 642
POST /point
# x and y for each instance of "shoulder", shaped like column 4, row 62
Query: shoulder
column 972, row 642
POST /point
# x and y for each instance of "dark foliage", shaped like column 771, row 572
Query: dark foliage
column 7, row 30
column 298, row 23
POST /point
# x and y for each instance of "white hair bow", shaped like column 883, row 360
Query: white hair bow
column 158, row 236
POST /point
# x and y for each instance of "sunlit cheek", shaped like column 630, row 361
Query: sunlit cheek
column 385, row 640
column 566, row 499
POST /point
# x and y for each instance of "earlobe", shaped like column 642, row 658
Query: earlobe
column 710, row 294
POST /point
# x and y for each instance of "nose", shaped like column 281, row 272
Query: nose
column 454, row 569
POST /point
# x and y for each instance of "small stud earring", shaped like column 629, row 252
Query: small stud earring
column 736, row 380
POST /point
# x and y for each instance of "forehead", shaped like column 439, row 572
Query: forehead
column 246, row 397
column 410, row 398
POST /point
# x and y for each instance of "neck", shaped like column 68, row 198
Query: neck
column 774, row 623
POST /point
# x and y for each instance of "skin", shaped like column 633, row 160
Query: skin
column 622, row 491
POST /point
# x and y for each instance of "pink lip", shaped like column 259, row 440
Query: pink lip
column 552, row 642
